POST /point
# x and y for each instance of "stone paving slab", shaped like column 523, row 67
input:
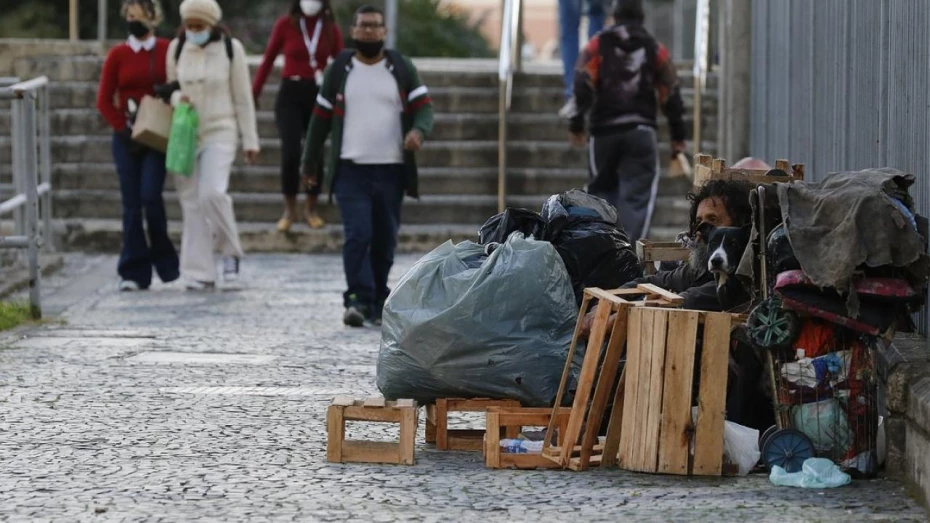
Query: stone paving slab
column 86, row 433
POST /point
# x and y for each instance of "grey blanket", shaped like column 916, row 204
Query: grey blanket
column 850, row 219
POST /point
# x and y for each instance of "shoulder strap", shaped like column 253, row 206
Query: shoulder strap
column 229, row 47
column 401, row 71
column 177, row 52
column 339, row 71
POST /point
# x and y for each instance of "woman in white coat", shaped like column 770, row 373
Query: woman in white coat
column 212, row 75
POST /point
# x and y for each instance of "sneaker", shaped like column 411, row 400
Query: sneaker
column 195, row 285
column 230, row 268
column 129, row 286
column 569, row 110
column 356, row 313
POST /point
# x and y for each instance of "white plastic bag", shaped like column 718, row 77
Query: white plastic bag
column 741, row 446
column 814, row 473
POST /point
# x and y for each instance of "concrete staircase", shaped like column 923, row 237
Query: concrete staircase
column 458, row 163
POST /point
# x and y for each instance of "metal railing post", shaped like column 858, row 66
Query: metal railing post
column 19, row 225
column 102, row 22
column 390, row 19
column 25, row 142
column 45, row 151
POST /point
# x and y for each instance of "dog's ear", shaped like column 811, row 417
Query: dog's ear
column 704, row 231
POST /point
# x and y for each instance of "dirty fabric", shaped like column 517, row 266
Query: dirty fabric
column 850, row 219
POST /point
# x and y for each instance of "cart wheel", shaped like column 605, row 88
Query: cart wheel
column 787, row 448
column 766, row 435
column 771, row 326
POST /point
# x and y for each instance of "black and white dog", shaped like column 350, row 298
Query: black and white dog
column 726, row 246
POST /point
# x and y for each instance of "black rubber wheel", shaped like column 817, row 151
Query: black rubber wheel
column 787, row 448
column 771, row 326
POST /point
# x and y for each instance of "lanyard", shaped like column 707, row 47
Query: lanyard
column 312, row 43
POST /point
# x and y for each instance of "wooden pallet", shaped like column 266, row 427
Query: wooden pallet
column 707, row 168
column 656, row 427
column 513, row 420
column 655, row 296
column 570, row 453
column 437, row 420
column 650, row 252
column 343, row 408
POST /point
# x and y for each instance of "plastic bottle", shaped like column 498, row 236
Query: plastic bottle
column 521, row 446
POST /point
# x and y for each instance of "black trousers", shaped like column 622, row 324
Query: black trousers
column 292, row 112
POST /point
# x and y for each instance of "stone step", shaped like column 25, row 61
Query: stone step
column 454, row 99
column 435, row 180
column 471, row 210
column 448, row 126
column 94, row 235
column 521, row 154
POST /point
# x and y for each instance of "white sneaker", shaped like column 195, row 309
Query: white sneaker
column 194, row 285
column 569, row 110
column 230, row 268
column 128, row 286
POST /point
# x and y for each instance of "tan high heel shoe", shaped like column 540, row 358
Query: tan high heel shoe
column 284, row 224
column 315, row 222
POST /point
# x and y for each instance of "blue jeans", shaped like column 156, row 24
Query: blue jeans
column 570, row 12
column 141, row 181
column 369, row 198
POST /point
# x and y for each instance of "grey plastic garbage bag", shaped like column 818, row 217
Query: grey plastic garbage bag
column 499, row 330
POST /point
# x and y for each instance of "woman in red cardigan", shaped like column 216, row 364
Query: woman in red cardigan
column 309, row 38
column 131, row 71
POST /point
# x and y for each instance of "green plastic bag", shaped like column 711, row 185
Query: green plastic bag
column 182, row 141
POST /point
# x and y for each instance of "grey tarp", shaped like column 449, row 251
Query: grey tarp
column 462, row 325
column 850, row 219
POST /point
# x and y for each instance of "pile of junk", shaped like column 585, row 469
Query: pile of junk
column 495, row 318
column 837, row 267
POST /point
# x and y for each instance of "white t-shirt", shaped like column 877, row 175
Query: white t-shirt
column 372, row 131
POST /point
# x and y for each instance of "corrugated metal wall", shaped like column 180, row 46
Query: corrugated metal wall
column 843, row 85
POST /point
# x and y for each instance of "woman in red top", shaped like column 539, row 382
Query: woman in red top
column 309, row 38
column 131, row 71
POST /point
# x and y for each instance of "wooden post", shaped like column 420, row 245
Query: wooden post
column 73, row 20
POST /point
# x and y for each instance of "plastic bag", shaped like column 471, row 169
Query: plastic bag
column 826, row 424
column 595, row 250
column 814, row 473
column 500, row 226
column 741, row 446
column 182, row 142
column 498, row 330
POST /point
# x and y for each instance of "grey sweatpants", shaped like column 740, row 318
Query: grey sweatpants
column 624, row 171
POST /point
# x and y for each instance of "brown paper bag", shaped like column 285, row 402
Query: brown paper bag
column 153, row 123
column 679, row 166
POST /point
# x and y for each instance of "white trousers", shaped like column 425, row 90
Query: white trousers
column 208, row 212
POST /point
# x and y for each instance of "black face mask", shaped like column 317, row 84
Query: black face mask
column 369, row 49
column 137, row 28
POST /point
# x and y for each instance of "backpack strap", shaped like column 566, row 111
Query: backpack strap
column 401, row 72
column 339, row 70
column 229, row 48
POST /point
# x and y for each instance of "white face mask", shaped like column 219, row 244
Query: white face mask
column 311, row 7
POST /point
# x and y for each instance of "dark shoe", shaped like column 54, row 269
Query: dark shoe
column 377, row 313
column 356, row 313
column 129, row 286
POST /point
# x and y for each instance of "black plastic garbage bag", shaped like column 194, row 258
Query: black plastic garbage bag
column 500, row 226
column 595, row 249
column 501, row 330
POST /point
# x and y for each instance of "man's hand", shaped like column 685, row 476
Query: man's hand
column 186, row 100
column 414, row 140
column 251, row 156
column 578, row 139
column 679, row 147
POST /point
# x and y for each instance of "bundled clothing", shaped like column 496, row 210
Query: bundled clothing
column 623, row 74
column 130, row 72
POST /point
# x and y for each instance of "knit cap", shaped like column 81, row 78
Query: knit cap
column 207, row 10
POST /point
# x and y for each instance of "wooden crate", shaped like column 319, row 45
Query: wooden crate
column 437, row 420
column 402, row 412
column 650, row 252
column 707, row 168
column 512, row 420
column 655, row 296
column 656, row 427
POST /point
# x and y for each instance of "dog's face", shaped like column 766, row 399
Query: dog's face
column 726, row 246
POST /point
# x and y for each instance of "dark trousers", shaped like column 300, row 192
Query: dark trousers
column 624, row 171
column 292, row 112
column 369, row 198
column 141, row 181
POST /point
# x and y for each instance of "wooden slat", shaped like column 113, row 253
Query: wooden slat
column 492, row 440
column 671, row 297
column 371, row 414
column 465, row 442
column 335, row 433
column 674, row 438
column 374, row 402
column 343, row 401
column 656, row 389
column 784, row 165
column 406, row 403
column 601, row 294
column 566, row 371
column 430, row 433
column 708, row 437
column 370, row 452
column 579, row 464
column 477, row 405
column 605, row 384
column 631, row 388
column 408, row 434
column 526, row 461
column 612, row 442
column 586, row 379
column 523, row 419
column 442, row 425
column 641, row 416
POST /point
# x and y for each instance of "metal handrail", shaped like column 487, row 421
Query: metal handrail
column 509, row 62
column 30, row 161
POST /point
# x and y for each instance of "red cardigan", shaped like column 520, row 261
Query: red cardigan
column 287, row 37
column 129, row 75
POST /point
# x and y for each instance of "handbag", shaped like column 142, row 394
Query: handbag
column 152, row 124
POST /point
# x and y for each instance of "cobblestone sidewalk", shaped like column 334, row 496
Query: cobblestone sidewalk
column 176, row 406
